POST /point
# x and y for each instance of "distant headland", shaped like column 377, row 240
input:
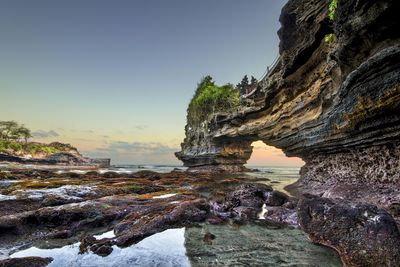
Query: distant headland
column 15, row 147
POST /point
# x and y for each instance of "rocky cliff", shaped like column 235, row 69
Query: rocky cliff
column 329, row 102
column 334, row 102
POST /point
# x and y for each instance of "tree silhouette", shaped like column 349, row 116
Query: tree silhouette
column 253, row 80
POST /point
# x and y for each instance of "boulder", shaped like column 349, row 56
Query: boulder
column 362, row 234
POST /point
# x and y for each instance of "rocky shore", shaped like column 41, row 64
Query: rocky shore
column 43, row 205
column 37, row 205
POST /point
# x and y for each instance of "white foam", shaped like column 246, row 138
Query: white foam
column 109, row 234
column 261, row 214
column 5, row 197
column 165, row 196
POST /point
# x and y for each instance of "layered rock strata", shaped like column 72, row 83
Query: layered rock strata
column 324, row 100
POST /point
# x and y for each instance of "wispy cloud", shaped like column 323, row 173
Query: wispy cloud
column 137, row 148
column 45, row 134
column 135, row 152
column 140, row 127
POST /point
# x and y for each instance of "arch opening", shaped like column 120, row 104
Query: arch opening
column 271, row 163
column 269, row 156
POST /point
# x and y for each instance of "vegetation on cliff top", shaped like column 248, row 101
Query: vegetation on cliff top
column 11, row 130
column 14, row 140
column 210, row 99
column 331, row 14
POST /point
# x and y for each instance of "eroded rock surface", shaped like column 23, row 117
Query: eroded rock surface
column 362, row 234
column 325, row 102
column 253, row 201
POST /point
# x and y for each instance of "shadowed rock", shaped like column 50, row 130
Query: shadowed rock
column 25, row 262
column 362, row 234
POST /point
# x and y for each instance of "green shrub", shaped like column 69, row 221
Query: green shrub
column 210, row 99
column 28, row 148
column 328, row 38
column 332, row 9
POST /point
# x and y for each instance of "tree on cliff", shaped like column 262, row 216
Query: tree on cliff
column 23, row 132
column 253, row 80
column 243, row 85
column 11, row 130
column 210, row 99
column 7, row 129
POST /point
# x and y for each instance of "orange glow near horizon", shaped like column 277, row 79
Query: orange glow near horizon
column 264, row 155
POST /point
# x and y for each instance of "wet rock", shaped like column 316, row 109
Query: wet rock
column 216, row 220
column 208, row 238
column 151, row 175
column 395, row 209
column 275, row 198
column 249, row 195
column 5, row 175
column 362, row 234
column 103, row 248
column 70, row 175
column 281, row 215
column 245, row 201
column 245, row 212
column 92, row 173
column 184, row 214
column 74, row 217
column 291, row 204
column 110, row 175
column 25, row 262
column 62, row 234
column 86, row 242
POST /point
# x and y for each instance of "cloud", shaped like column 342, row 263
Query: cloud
column 135, row 152
column 45, row 134
column 140, row 127
column 137, row 148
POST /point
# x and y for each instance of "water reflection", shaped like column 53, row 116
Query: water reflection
column 162, row 249
column 207, row 245
column 254, row 245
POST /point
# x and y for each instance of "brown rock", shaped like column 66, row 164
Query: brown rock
column 362, row 234
column 25, row 262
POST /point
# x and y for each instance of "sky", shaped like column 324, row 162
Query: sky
column 114, row 78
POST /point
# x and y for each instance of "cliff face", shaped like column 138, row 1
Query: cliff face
column 334, row 104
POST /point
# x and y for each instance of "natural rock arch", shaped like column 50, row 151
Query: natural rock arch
column 264, row 155
column 340, row 116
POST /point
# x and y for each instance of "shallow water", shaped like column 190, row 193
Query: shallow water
column 162, row 249
column 246, row 245
column 254, row 245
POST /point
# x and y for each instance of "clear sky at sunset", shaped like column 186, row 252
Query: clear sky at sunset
column 114, row 78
